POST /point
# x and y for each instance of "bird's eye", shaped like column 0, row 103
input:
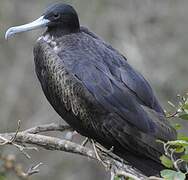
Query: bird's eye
column 56, row 16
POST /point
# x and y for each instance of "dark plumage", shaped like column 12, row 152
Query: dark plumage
column 94, row 89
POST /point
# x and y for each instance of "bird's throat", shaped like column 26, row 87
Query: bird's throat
column 61, row 31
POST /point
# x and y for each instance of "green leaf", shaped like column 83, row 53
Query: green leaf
column 166, row 161
column 168, row 174
column 184, row 116
column 185, row 157
column 179, row 149
column 185, row 106
column 177, row 126
column 2, row 177
column 117, row 178
column 182, row 137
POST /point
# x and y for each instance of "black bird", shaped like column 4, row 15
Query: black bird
column 94, row 89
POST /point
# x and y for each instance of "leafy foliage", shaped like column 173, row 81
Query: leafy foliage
column 178, row 147
column 166, row 161
column 2, row 177
column 172, row 175
column 117, row 178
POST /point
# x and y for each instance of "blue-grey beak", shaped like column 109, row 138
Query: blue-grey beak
column 39, row 23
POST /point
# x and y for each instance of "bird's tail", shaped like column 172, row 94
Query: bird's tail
column 146, row 165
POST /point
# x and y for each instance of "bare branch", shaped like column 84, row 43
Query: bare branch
column 13, row 138
column 32, row 136
column 47, row 128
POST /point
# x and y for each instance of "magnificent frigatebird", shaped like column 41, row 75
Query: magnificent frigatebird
column 94, row 89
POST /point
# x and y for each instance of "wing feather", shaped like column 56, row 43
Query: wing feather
column 132, row 79
column 111, row 80
column 131, row 121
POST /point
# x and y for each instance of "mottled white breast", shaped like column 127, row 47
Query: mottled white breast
column 51, row 41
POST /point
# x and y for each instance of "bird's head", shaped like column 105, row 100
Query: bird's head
column 58, row 18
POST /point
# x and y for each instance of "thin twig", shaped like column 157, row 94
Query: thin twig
column 155, row 178
column 47, row 128
column 96, row 153
column 125, row 174
column 17, row 130
column 173, row 114
column 85, row 142
column 33, row 170
column 12, row 139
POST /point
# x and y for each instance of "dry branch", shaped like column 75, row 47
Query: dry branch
column 31, row 136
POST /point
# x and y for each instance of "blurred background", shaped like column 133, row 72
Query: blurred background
column 151, row 34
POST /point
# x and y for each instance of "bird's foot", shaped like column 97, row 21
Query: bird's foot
column 85, row 141
column 109, row 152
column 104, row 150
column 96, row 149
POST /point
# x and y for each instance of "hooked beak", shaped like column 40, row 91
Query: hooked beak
column 39, row 23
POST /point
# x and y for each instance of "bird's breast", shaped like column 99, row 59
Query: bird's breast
column 66, row 94
column 52, row 42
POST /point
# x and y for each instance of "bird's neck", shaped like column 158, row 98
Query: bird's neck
column 61, row 32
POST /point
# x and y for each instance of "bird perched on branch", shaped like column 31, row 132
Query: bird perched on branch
column 94, row 89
